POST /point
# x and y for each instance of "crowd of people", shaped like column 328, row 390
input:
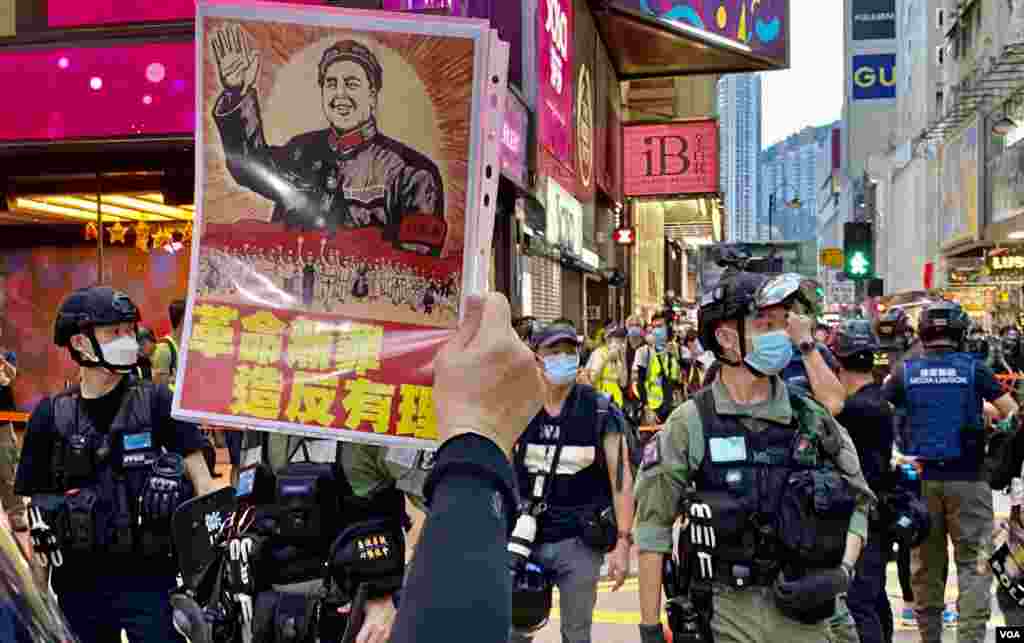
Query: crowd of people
column 764, row 468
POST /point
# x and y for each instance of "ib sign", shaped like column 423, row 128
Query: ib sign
column 874, row 77
column 675, row 158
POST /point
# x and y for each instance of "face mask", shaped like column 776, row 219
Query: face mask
column 660, row 335
column 772, row 352
column 122, row 352
column 561, row 369
column 633, row 331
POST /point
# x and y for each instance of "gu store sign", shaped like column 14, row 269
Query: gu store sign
column 554, row 77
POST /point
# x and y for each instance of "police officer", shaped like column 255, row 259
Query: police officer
column 656, row 371
column 577, row 502
column 942, row 391
column 105, row 466
column 753, row 452
column 869, row 420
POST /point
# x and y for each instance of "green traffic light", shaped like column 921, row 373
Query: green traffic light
column 859, row 264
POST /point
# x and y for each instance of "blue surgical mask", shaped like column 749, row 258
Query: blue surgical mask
column 772, row 352
column 660, row 337
column 633, row 331
column 561, row 369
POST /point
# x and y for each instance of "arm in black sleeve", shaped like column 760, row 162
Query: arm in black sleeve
column 176, row 436
column 893, row 390
column 33, row 474
column 987, row 385
column 460, row 574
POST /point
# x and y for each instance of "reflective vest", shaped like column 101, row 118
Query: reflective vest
column 608, row 381
column 657, row 376
column 942, row 405
column 173, row 346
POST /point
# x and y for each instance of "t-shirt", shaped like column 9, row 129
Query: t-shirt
column 35, row 469
column 967, row 467
column 869, row 421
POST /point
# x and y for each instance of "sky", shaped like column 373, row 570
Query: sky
column 810, row 92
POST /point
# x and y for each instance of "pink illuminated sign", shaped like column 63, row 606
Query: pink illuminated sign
column 674, row 158
column 79, row 13
column 99, row 92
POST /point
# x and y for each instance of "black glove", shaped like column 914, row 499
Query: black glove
column 806, row 599
column 652, row 634
column 165, row 490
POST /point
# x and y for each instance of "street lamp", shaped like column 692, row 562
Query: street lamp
column 793, row 204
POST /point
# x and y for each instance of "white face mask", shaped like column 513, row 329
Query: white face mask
column 121, row 352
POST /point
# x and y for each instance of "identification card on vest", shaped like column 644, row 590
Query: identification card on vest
column 137, row 449
column 246, row 480
column 728, row 449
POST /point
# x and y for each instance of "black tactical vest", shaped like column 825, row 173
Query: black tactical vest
column 103, row 473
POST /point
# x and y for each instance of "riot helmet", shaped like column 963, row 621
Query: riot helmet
column 856, row 345
column 87, row 309
column 791, row 290
column 976, row 342
column 943, row 321
column 891, row 330
column 731, row 299
column 531, row 599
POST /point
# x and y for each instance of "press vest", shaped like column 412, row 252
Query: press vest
column 608, row 381
column 742, row 482
column 942, row 405
column 581, row 479
column 662, row 370
column 121, row 461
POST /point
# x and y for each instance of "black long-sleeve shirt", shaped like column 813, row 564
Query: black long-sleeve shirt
column 460, row 576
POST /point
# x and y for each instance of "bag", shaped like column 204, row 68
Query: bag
column 814, row 517
column 600, row 530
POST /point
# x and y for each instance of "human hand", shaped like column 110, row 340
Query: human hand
column 486, row 380
column 237, row 64
column 380, row 616
column 652, row 633
column 799, row 328
column 618, row 563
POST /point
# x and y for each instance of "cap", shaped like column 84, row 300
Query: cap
column 554, row 333
column 355, row 52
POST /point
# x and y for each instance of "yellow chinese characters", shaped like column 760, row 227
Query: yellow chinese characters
column 262, row 338
column 416, row 412
column 313, row 396
column 213, row 333
column 368, row 402
column 374, row 547
column 358, row 350
column 257, row 392
column 309, row 345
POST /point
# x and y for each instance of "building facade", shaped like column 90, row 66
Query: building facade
column 789, row 177
column 739, row 113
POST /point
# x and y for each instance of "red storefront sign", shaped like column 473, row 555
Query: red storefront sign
column 675, row 158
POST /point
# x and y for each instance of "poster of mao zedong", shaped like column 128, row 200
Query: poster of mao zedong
column 337, row 162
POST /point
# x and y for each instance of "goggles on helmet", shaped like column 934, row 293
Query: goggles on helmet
column 790, row 289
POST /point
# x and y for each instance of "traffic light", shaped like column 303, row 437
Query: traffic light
column 858, row 251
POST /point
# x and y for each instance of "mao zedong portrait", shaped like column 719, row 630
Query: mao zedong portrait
column 348, row 175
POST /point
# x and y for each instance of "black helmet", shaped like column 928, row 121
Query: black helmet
column 732, row 298
column 943, row 320
column 85, row 309
column 855, row 336
column 789, row 289
column 891, row 329
column 976, row 343
column 531, row 599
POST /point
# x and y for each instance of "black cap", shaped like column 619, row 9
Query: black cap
column 357, row 53
column 554, row 333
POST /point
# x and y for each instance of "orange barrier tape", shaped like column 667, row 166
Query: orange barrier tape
column 13, row 416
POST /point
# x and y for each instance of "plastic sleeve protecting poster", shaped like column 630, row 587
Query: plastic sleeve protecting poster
column 330, row 263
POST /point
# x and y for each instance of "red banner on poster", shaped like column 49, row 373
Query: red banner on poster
column 675, row 158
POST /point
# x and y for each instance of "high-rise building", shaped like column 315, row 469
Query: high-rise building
column 739, row 113
column 789, row 174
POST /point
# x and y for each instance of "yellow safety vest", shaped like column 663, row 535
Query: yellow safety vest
column 174, row 360
column 655, row 391
column 608, row 382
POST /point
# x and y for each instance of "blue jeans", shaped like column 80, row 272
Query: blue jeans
column 867, row 598
column 577, row 569
column 98, row 608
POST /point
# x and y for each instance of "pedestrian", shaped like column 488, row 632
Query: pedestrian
column 577, row 502
column 942, row 391
column 657, row 373
column 607, row 370
column 165, row 356
column 107, row 459
column 736, row 461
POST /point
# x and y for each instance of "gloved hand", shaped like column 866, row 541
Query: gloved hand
column 652, row 634
column 802, row 599
column 164, row 491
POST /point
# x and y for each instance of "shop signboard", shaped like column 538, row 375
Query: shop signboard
column 832, row 257
column 874, row 19
column 874, row 77
column 671, row 159
column 1006, row 177
column 1005, row 262
column 513, row 150
column 555, row 77
column 763, row 26
column 8, row 19
column 565, row 219
column 334, row 336
column 958, row 217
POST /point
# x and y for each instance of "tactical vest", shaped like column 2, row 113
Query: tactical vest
column 747, row 487
column 582, row 476
column 608, row 383
column 943, row 406
column 102, row 475
column 662, row 371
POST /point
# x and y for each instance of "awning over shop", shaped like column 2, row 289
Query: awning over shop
column 82, row 208
column 676, row 39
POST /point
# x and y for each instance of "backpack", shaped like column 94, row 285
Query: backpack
column 630, row 447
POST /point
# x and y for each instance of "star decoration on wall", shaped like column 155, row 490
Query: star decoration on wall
column 162, row 237
column 117, row 232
